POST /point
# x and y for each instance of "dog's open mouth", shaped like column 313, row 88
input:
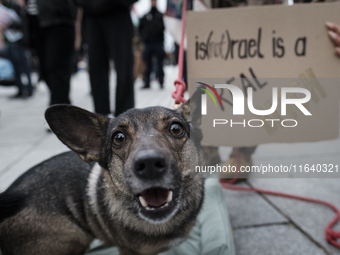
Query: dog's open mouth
column 158, row 204
column 156, row 199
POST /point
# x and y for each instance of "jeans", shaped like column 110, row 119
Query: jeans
column 17, row 55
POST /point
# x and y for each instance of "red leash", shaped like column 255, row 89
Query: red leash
column 332, row 236
column 180, row 85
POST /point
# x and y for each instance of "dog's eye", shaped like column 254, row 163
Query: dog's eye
column 119, row 138
column 176, row 129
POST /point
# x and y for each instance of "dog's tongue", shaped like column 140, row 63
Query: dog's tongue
column 155, row 196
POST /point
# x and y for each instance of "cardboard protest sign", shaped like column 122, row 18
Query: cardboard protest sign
column 270, row 52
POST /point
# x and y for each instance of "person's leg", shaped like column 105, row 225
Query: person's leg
column 11, row 53
column 119, row 39
column 37, row 43
column 25, row 70
column 58, row 50
column 160, row 54
column 98, row 66
column 240, row 156
column 147, row 57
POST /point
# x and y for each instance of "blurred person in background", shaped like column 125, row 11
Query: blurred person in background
column 109, row 33
column 54, row 32
column 151, row 30
column 12, row 45
column 34, row 31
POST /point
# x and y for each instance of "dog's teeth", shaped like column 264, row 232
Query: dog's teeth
column 169, row 199
column 165, row 205
column 143, row 202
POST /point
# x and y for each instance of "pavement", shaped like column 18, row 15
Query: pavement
column 262, row 224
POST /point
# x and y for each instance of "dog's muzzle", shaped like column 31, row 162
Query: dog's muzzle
column 149, row 164
column 157, row 193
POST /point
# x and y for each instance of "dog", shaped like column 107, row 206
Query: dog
column 130, row 188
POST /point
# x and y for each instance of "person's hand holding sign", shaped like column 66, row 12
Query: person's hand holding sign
column 334, row 34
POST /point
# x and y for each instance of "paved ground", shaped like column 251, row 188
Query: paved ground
column 262, row 224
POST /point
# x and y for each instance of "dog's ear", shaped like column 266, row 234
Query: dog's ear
column 82, row 131
column 191, row 109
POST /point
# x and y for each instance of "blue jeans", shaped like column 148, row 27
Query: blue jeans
column 17, row 55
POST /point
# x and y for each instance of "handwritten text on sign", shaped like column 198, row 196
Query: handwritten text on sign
column 226, row 47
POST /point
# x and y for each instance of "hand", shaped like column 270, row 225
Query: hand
column 334, row 34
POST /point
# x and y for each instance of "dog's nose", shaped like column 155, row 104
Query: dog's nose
column 149, row 164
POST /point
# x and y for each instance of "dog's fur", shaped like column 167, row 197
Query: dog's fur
column 61, row 205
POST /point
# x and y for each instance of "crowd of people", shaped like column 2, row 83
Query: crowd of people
column 51, row 36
